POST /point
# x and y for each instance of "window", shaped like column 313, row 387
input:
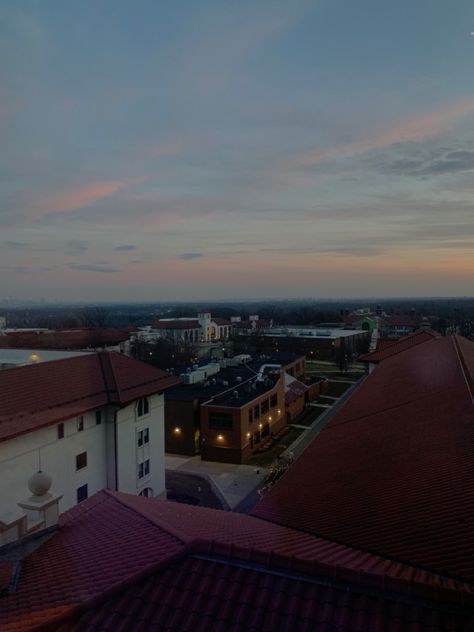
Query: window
column 220, row 420
column 264, row 406
column 81, row 493
column 98, row 417
column 250, row 416
column 81, row 460
column 274, row 401
column 80, row 424
column 256, row 412
column 144, row 468
column 143, row 436
column 143, row 407
column 60, row 431
column 147, row 492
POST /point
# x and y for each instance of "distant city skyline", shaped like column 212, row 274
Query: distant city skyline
column 158, row 151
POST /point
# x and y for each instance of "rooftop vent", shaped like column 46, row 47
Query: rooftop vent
column 235, row 394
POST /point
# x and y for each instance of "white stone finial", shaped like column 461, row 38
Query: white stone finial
column 40, row 483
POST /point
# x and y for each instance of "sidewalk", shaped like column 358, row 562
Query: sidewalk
column 230, row 482
column 235, row 486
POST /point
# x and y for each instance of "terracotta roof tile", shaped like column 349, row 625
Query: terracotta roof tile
column 121, row 562
column 66, row 339
column 393, row 473
column 41, row 394
column 175, row 324
column 398, row 346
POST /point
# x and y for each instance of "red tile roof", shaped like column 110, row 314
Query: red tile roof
column 390, row 348
column 66, row 339
column 123, row 562
column 175, row 324
column 294, row 391
column 393, row 472
column 39, row 395
column 221, row 321
column 403, row 320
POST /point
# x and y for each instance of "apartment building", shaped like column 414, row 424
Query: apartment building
column 92, row 422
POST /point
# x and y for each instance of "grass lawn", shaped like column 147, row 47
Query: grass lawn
column 266, row 458
column 309, row 416
column 337, row 388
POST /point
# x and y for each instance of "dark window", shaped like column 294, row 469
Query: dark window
column 81, row 493
column 143, row 407
column 250, row 416
column 273, row 401
column 60, row 431
column 220, row 420
column 98, row 417
column 264, row 406
column 256, row 412
column 143, row 468
column 80, row 424
column 81, row 460
column 265, row 430
column 143, row 437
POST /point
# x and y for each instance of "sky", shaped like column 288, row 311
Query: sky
column 156, row 150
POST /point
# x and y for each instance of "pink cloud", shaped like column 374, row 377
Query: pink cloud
column 76, row 198
column 415, row 129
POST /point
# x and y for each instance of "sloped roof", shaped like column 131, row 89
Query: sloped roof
column 393, row 472
column 221, row 321
column 403, row 320
column 294, row 389
column 65, row 339
column 123, row 562
column 388, row 349
column 175, row 324
column 41, row 394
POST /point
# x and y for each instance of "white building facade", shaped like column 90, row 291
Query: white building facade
column 115, row 445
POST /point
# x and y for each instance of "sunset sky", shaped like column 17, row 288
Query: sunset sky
column 157, row 150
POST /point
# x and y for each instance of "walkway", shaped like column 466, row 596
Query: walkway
column 189, row 479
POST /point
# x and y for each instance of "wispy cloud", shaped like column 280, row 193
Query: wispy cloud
column 415, row 129
column 75, row 247
column 76, row 198
column 14, row 244
column 93, row 268
column 125, row 248
column 190, row 255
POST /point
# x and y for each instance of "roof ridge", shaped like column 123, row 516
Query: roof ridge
column 162, row 524
column 332, row 574
column 108, row 374
column 466, row 373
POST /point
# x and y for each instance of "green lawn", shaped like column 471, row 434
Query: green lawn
column 266, row 458
column 308, row 417
column 337, row 388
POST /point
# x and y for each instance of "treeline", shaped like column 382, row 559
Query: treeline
column 451, row 312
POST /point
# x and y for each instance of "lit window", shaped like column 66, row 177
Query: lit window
column 81, row 460
column 80, row 424
column 143, row 407
column 82, row 493
column 60, row 431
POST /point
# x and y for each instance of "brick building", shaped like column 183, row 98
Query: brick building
column 244, row 391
